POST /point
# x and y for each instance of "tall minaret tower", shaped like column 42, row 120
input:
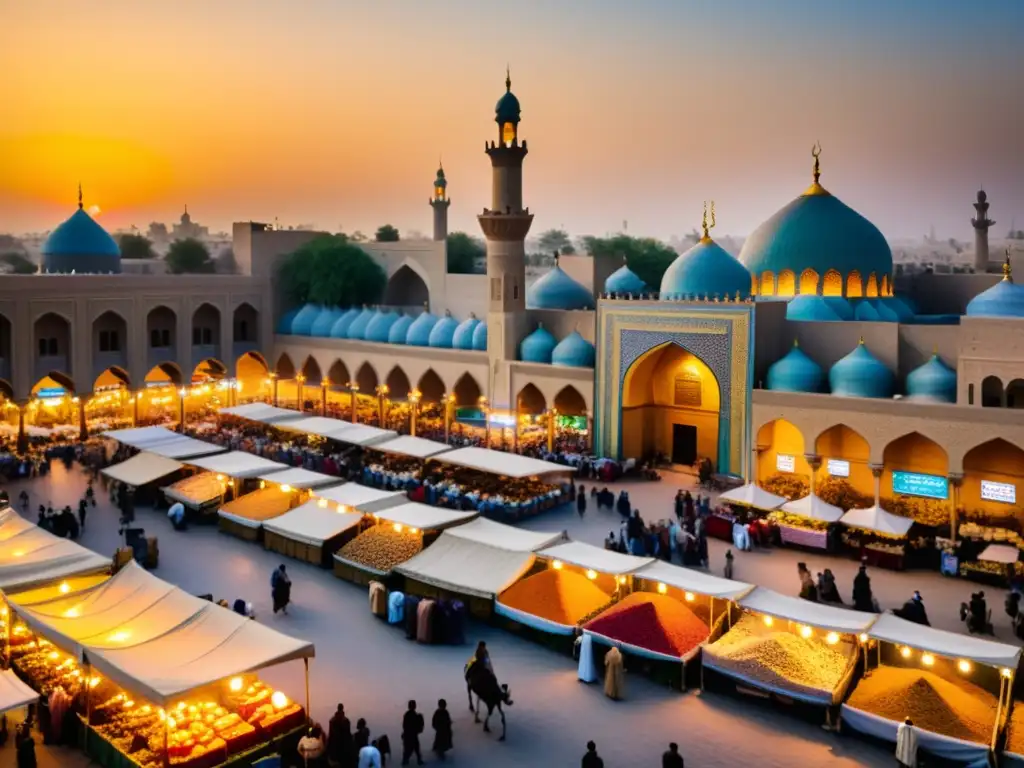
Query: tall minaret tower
column 440, row 202
column 505, row 225
column 981, row 223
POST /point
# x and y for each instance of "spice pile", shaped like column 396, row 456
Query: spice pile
column 1015, row 731
column 382, row 547
column 954, row 708
column 260, row 505
column 779, row 658
column 560, row 596
column 655, row 622
column 197, row 489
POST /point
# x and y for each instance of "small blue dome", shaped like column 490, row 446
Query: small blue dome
column 705, row 269
column 379, row 328
column 932, row 381
column 81, row 245
column 480, row 338
column 340, row 328
column 808, row 307
column 556, row 290
column 900, row 307
column 463, row 338
column 1004, row 299
column 796, row 372
column 866, row 311
column 537, row 347
column 325, row 321
column 399, row 330
column 861, row 374
column 624, row 280
column 840, row 305
column 507, row 109
column 419, row 331
column 443, row 332
column 302, row 324
column 574, row 351
column 284, row 325
column 357, row 329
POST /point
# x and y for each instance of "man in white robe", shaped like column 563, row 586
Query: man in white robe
column 906, row 744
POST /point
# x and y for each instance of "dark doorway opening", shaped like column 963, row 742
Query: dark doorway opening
column 684, row 444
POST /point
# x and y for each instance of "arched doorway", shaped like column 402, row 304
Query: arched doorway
column 54, row 403
column 467, row 392
column 109, row 342
column 367, row 379
column 531, row 401
column 781, row 451
column 109, row 402
column 245, row 324
column 398, row 384
column 158, row 401
column 206, row 330
column 993, row 483
column 252, row 378
column 914, row 478
column 51, row 344
column 339, row 375
column 431, row 387
column 991, row 392
column 569, row 402
column 285, row 368
column 311, row 372
column 671, row 404
column 406, row 289
column 848, row 453
column 1015, row 394
column 209, row 371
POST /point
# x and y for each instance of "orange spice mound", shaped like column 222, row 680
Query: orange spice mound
column 655, row 622
column 563, row 597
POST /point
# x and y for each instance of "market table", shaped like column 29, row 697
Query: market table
column 803, row 537
column 876, row 558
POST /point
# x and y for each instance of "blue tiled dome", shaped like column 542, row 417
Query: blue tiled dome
column 463, row 338
column 443, row 332
column 556, row 290
column 796, row 372
column 878, row 310
column 340, row 328
column 480, row 338
column 624, row 280
column 302, row 324
column 932, row 381
column 357, row 329
column 840, row 305
column 811, row 308
column 861, row 374
column 419, row 331
column 284, row 325
column 537, row 347
column 706, row 268
column 507, row 109
column 400, row 330
column 1004, row 299
column 865, row 310
column 574, row 351
column 903, row 310
column 325, row 321
column 81, row 245
column 379, row 328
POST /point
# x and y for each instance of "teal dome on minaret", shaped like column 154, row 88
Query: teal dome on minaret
column 624, row 280
column 556, row 290
column 796, row 372
column 934, row 381
column 706, row 269
column 861, row 374
column 82, row 246
column 507, row 109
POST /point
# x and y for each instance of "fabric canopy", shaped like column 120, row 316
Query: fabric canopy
column 500, row 462
column 417, row 447
column 893, row 629
column 803, row 611
column 484, row 531
column 261, row 412
column 752, row 495
column 14, row 693
column 595, row 558
column 1000, row 553
column 69, row 586
column 142, row 468
column 312, row 524
column 812, row 507
column 297, row 477
column 877, row 519
column 184, row 448
column 11, row 524
column 238, row 464
column 693, row 581
column 364, row 434
column 317, row 425
column 424, row 516
column 142, row 437
column 467, row 567
column 33, row 557
column 361, row 497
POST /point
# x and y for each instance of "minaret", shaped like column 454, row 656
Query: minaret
column 440, row 202
column 981, row 223
column 505, row 225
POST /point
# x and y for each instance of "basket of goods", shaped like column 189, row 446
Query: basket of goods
column 382, row 547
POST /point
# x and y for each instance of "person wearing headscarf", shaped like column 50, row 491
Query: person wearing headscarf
column 863, row 600
column 339, row 738
column 614, row 675
column 442, row 724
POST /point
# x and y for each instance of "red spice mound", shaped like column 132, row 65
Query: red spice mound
column 653, row 622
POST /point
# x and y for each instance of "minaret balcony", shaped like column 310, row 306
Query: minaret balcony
column 505, row 226
column 505, row 155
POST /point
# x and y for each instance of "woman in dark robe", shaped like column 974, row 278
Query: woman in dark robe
column 442, row 724
column 281, row 589
column 863, row 600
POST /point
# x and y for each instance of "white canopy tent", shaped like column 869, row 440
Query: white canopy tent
column 321, row 426
column 312, row 524
column 141, row 437
column 363, row 498
column 417, row 447
column 595, row 558
column 11, row 524
column 1000, row 553
column 875, row 518
column 893, row 629
column 467, row 567
column 500, row 462
column 752, row 495
column 184, row 448
column 297, row 477
column 484, row 531
column 423, row 516
column 691, row 580
column 765, row 601
column 33, row 557
column 238, row 464
column 261, row 412
column 14, row 693
column 364, row 435
column 814, row 508
column 141, row 469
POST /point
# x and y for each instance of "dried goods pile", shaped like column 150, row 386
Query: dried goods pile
column 264, row 504
column 779, row 658
column 1015, row 735
column 197, row 489
column 560, row 596
column 382, row 547
column 954, row 708
column 655, row 622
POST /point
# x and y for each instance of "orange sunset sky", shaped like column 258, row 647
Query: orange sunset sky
column 334, row 113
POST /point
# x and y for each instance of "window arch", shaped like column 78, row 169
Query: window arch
column 854, row 285
column 808, row 281
column 872, row 290
column 767, row 284
column 787, row 283
column 753, row 285
column 885, row 286
column 833, row 284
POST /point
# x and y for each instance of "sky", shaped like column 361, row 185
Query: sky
column 336, row 113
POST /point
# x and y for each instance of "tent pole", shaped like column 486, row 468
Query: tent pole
column 309, row 716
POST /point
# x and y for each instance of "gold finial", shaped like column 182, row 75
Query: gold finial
column 796, row 343
column 704, row 224
column 861, row 341
column 508, row 78
column 1007, row 269
column 712, row 215
column 935, row 350
column 79, row 195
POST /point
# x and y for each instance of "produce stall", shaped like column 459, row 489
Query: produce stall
column 877, row 537
column 246, row 515
column 223, row 478
column 31, row 557
column 312, row 532
column 142, row 469
column 748, row 502
column 200, row 491
column 995, row 562
column 163, row 442
column 805, row 522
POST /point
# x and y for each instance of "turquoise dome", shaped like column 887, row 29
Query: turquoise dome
column 878, row 310
column 379, row 328
column 537, row 347
column 81, row 245
column 284, row 325
column 574, row 351
column 865, row 310
column 443, row 332
column 340, row 328
column 507, row 109
column 419, row 331
column 796, row 372
column 904, row 311
column 480, row 338
column 302, row 324
column 1004, row 299
column 325, row 321
column 705, row 269
column 357, row 328
column 861, row 374
column 811, row 308
column 840, row 305
column 463, row 338
column 399, row 330
column 624, row 280
column 932, row 381
column 556, row 290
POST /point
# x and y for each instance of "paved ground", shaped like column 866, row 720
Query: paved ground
column 373, row 669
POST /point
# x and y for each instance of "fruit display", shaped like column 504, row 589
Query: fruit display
column 560, row 596
column 260, row 505
column 954, row 708
column 796, row 521
column 931, row 512
column 792, row 487
column 811, row 662
column 200, row 488
column 990, row 533
column 838, row 492
column 655, row 622
column 383, row 546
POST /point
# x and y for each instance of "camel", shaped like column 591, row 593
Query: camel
column 481, row 681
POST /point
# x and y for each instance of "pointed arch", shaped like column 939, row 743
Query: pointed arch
column 872, row 288
column 787, row 283
column 339, row 375
column 407, row 286
column 54, row 379
column 251, row 365
column 912, row 452
column 52, row 340
column 854, row 285
column 245, row 322
column 767, row 284
column 1001, row 463
column 206, row 325
column 398, row 384
column 530, row 400
column 366, row 378
column 431, row 387
column 285, row 368
column 570, row 402
column 311, row 371
column 209, row 369
column 6, row 390
column 847, row 445
column 992, row 392
column 113, row 377
column 781, row 438
column 161, row 328
column 467, row 392
column 808, row 282
column 167, row 373
column 832, row 285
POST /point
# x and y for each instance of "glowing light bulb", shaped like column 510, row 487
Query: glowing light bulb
column 832, row 638
column 1007, row 672
column 806, row 631
column 964, row 666
column 93, row 682
column 905, row 652
column 129, row 704
column 235, row 684
column 18, row 553
column 398, row 527
column 322, row 503
column 263, row 484
column 120, row 637
column 621, row 579
column 557, row 565
column 220, row 478
column 768, row 621
column 64, row 588
column 414, row 530
column 71, row 613
column 54, row 655
column 171, row 724
column 863, row 637
column 279, row 700
column 591, row 574
column 286, row 488
column 927, row 659
column 662, row 589
column 690, row 597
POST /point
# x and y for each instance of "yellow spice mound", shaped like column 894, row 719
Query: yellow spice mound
column 1015, row 736
column 560, row 596
column 954, row 708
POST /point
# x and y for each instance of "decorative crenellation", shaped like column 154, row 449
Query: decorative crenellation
column 693, row 298
column 505, row 226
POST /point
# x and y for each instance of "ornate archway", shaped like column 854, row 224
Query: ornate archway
column 781, row 449
column 398, row 384
column 850, row 454
column 467, row 391
column 431, row 387
column 531, row 401
column 993, row 483
column 367, row 379
column 914, row 461
column 406, row 289
column 570, row 402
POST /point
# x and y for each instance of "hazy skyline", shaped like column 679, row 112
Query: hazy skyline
column 336, row 113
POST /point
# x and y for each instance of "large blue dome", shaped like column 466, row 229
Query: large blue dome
column 537, row 347
column 81, row 245
column 379, row 328
column 357, row 329
column 796, row 372
column 556, row 290
column 574, row 351
column 340, row 328
column 480, row 338
column 443, row 332
column 932, row 381
column 809, row 307
column 400, row 330
column 705, row 269
column 325, row 321
column 463, row 338
column 302, row 324
column 284, row 325
column 861, row 374
column 1004, row 299
column 624, row 280
column 419, row 331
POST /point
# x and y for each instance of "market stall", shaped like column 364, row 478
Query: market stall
column 163, row 442
column 352, row 497
column 414, row 447
column 878, row 537
column 142, row 469
column 747, row 506
column 364, row 435
column 262, row 413
column 986, row 556
column 279, row 491
column 14, row 694
column 32, row 557
column 321, row 426
column 200, row 492
column 806, row 522
column 312, row 532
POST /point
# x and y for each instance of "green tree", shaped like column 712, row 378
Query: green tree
column 17, row 264
column 647, row 257
column 331, row 270
column 386, row 234
column 189, row 256
column 463, row 253
column 555, row 240
column 135, row 246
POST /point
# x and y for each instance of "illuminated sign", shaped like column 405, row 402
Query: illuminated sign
column 50, row 392
column 1002, row 492
column 503, row 419
column 914, row 484
column 785, row 463
column 838, row 468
